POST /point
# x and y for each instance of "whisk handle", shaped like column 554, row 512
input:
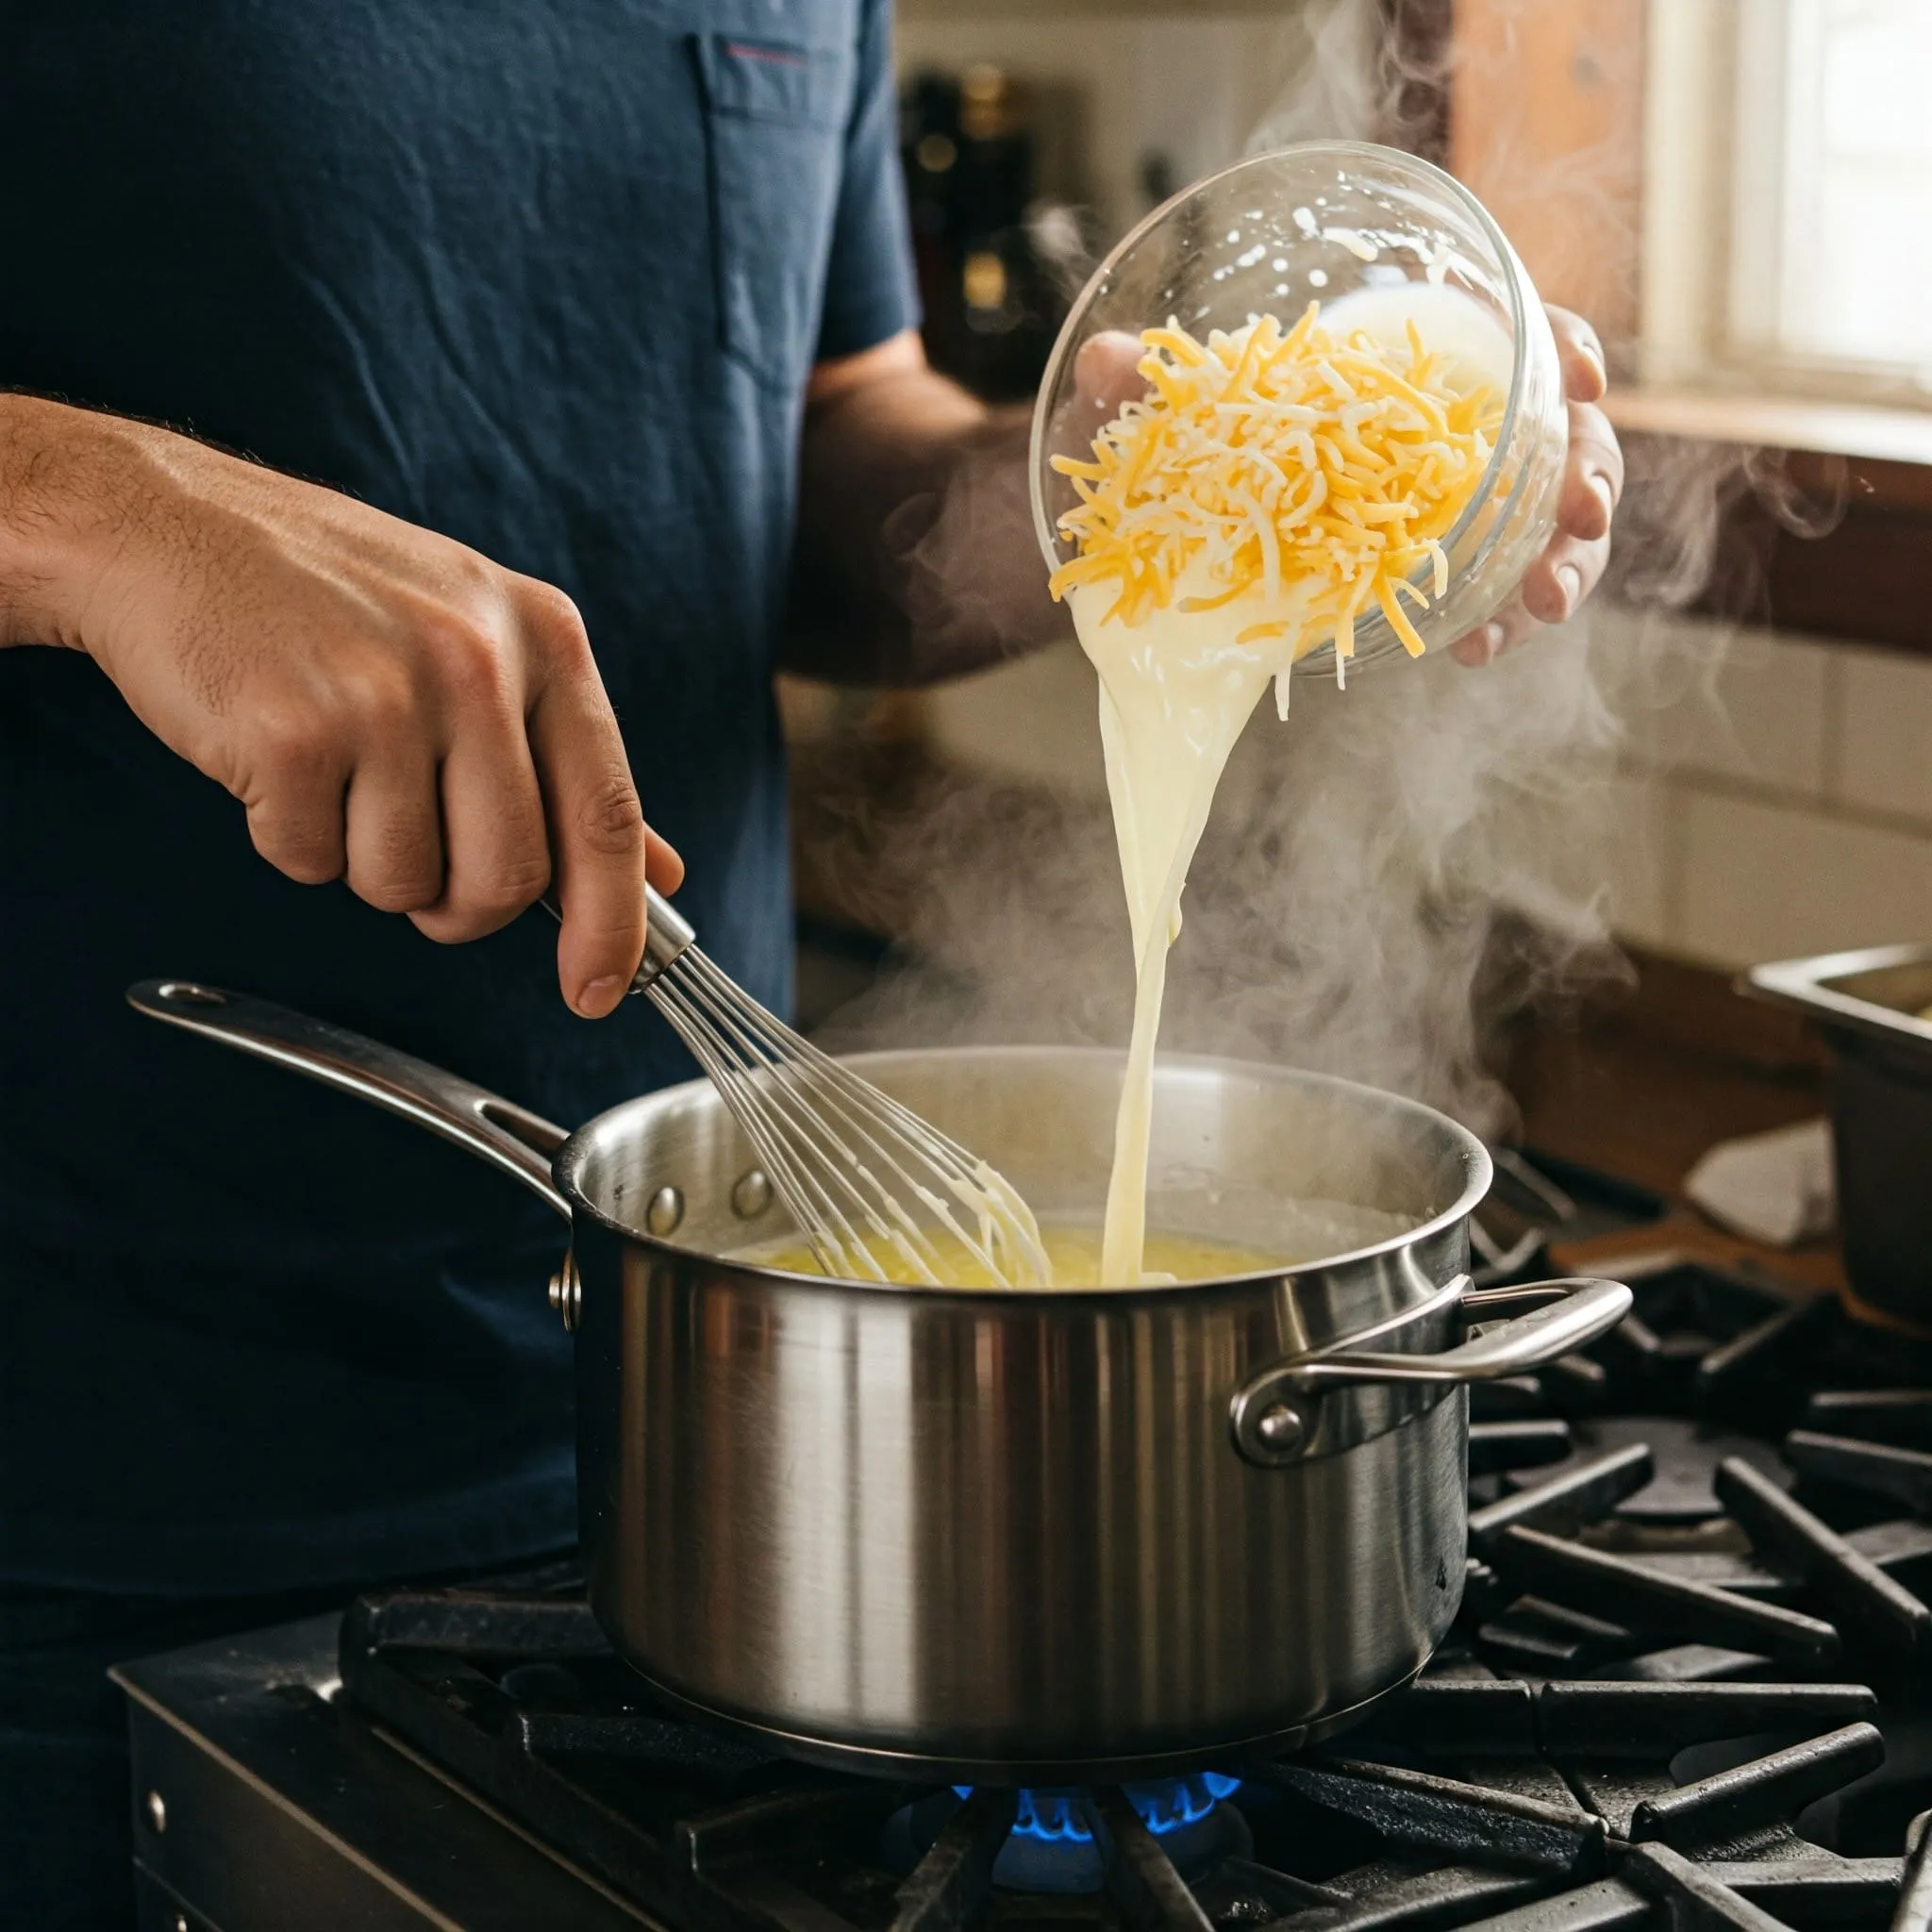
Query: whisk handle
column 670, row 934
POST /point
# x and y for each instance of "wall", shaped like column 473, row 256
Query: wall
column 1793, row 815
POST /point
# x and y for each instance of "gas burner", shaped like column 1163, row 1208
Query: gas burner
column 1058, row 1841
column 1688, row 1687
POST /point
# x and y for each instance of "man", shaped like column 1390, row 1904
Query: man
column 567, row 308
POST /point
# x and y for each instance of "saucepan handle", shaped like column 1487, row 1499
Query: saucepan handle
column 484, row 1124
column 1273, row 1416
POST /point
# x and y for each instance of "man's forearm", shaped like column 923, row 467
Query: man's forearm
column 917, row 557
column 66, row 476
column 390, row 707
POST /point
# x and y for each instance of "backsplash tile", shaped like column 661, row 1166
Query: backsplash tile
column 1764, row 881
column 1773, row 691
column 1645, row 860
column 1885, row 752
column 1725, row 703
column 1787, row 792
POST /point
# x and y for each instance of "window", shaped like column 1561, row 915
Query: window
column 1789, row 172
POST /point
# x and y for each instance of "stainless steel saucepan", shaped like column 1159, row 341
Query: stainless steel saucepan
column 1024, row 1535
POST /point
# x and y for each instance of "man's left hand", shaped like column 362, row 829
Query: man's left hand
column 1568, row 570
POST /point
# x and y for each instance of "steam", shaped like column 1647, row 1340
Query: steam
column 1380, row 872
column 1346, row 78
column 1386, row 877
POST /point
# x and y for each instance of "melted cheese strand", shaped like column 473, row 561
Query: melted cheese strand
column 1271, row 487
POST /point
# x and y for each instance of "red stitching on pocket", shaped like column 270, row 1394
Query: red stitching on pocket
column 743, row 50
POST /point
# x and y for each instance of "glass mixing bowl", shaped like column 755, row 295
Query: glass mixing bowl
column 1320, row 221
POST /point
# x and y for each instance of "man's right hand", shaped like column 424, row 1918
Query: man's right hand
column 392, row 708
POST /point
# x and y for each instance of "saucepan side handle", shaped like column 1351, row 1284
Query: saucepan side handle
column 1273, row 1415
column 482, row 1123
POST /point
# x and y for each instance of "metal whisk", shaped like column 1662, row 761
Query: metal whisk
column 857, row 1170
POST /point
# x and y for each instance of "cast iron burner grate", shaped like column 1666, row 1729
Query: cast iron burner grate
column 1654, row 1711
column 1474, row 1796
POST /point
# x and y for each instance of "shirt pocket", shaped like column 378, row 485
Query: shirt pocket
column 775, row 120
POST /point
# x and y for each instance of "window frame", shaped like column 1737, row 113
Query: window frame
column 1716, row 122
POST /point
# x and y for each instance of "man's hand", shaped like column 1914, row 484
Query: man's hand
column 392, row 708
column 1558, row 581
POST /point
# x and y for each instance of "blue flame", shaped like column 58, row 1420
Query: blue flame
column 1175, row 1802
column 1051, row 1817
column 1057, row 1816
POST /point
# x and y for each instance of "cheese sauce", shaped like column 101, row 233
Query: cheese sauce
column 1298, row 1232
column 1074, row 1254
column 1175, row 690
column 1273, row 486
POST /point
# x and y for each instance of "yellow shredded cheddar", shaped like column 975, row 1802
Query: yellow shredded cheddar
column 1271, row 458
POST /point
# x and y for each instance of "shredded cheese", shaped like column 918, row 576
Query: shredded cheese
column 1270, row 457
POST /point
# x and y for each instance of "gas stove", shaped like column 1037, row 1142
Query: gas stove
column 1688, row 1687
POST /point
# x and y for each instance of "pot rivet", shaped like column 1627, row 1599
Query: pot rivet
column 665, row 1212
column 1282, row 1429
column 184, row 992
column 752, row 1195
column 157, row 1811
column 567, row 1292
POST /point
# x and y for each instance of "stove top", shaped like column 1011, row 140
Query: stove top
column 1687, row 1688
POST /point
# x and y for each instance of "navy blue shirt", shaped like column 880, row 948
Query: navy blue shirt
column 547, row 275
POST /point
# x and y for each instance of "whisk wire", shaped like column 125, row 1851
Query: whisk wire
column 837, row 1149
column 778, row 1086
column 835, row 1245
column 794, row 1072
column 890, row 1131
